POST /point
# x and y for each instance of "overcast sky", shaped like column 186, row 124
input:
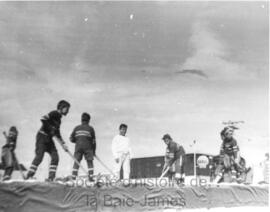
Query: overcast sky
column 161, row 67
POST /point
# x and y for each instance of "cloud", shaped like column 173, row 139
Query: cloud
column 193, row 72
column 46, row 34
column 210, row 54
column 240, row 13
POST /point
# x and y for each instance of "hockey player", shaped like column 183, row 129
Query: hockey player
column 266, row 168
column 229, row 156
column 85, row 139
column 121, row 152
column 49, row 130
column 8, row 155
column 264, row 165
column 174, row 158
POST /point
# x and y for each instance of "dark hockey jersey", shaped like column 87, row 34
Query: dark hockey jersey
column 51, row 124
column 173, row 152
column 84, row 135
column 229, row 147
column 11, row 143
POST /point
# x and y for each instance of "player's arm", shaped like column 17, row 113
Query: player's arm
column 94, row 141
column 177, row 150
column 172, row 158
column 236, row 151
column 182, row 154
column 12, row 144
column 72, row 136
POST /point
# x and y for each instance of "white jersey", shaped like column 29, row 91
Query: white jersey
column 265, row 166
column 120, row 145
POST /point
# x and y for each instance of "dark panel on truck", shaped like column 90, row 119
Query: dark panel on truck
column 151, row 167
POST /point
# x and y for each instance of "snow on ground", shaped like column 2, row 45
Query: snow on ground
column 223, row 209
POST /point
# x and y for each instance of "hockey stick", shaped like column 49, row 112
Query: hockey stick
column 164, row 173
column 71, row 155
column 16, row 159
column 103, row 164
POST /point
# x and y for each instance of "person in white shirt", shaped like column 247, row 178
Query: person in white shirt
column 265, row 167
column 121, row 152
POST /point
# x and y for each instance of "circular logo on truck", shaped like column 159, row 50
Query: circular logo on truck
column 202, row 161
